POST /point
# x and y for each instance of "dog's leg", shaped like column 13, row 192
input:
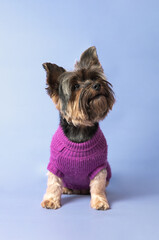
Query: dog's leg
column 98, row 193
column 75, row 191
column 52, row 197
column 67, row 191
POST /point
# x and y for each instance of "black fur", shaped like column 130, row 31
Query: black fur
column 77, row 134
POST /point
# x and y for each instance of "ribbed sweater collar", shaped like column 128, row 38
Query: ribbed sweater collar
column 62, row 139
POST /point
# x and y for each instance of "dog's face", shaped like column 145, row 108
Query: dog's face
column 82, row 96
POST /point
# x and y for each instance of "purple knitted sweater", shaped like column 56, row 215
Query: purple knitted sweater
column 78, row 163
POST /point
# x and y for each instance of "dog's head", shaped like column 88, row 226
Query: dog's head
column 83, row 96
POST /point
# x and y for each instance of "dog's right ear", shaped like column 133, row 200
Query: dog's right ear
column 52, row 79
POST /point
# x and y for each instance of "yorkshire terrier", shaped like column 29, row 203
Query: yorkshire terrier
column 78, row 152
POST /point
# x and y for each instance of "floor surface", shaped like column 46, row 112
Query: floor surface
column 133, row 215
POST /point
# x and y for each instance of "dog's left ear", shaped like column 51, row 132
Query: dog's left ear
column 52, row 79
column 88, row 58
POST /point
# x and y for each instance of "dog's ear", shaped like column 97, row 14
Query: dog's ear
column 52, row 78
column 88, row 58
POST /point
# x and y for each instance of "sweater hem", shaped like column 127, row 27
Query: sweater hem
column 96, row 171
column 54, row 170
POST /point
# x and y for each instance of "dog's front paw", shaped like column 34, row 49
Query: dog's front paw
column 51, row 203
column 99, row 203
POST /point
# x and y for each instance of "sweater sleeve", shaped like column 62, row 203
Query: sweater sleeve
column 96, row 171
column 53, row 169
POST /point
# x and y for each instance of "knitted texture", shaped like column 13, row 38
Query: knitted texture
column 78, row 163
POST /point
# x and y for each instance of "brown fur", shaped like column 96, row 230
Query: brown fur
column 53, row 72
column 76, row 191
column 82, row 104
column 88, row 71
column 52, row 197
column 98, row 193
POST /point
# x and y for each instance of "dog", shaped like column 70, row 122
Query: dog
column 78, row 152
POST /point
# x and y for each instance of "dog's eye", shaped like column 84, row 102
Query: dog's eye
column 76, row 86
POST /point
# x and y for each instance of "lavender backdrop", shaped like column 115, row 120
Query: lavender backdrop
column 126, row 34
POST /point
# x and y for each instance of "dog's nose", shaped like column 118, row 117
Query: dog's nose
column 96, row 86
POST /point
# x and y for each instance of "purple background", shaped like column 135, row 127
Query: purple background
column 126, row 34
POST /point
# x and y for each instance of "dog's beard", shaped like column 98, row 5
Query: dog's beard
column 98, row 107
column 90, row 110
column 93, row 105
